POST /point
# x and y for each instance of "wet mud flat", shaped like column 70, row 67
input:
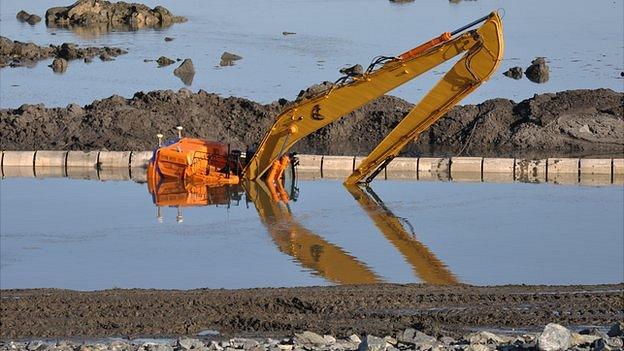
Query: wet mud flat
column 380, row 309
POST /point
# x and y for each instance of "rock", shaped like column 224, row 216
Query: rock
column 36, row 345
column 582, row 339
column 538, row 71
column 477, row 347
column 33, row 19
column 484, row 337
column 400, row 1
column 514, row 72
column 330, row 340
column 189, row 344
column 214, row 346
column 228, row 58
column 22, row 16
column 169, row 39
column 288, row 33
column 554, row 338
column 104, row 14
column 308, row 337
column 355, row 338
column 164, row 61
column 152, row 346
column 356, row 70
column 617, row 329
column 59, row 65
column 601, row 345
column 372, row 343
column 106, row 57
column 185, row 72
column 418, row 338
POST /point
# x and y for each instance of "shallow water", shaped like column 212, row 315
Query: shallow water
column 91, row 235
column 582, row 41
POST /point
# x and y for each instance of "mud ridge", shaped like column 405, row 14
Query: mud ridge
column 340, row 310
column 567, row 123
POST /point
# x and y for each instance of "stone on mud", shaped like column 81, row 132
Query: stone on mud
column 554, row 338
column 538, row 71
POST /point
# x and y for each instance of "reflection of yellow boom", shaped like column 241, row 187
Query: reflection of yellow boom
column 482, row 48
column 426, row 266
column 309, row 249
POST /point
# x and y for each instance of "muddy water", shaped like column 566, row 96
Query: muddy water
column 582, row 43
column 90, row 235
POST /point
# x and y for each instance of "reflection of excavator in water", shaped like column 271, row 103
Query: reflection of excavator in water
column 191, row 171
column 309, row 249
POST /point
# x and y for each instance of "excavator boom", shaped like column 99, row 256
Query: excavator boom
column 483, row 48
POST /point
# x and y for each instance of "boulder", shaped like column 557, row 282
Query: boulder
column 189, row 344
column 59, row 65
column 372, row 343
column 308, row 337
column 314, row 89
column 415, row 337
column 185, row 72
column 554, row 337
column 538, row 71
column 356, row 70
column 514, row 72
column 105, row 56
column 22, row 16
column 33, row 19
column 228, row 58
column 168, row 39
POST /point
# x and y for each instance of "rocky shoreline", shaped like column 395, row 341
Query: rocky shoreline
column 553, row 337
column 14, row 53
column 573, row 123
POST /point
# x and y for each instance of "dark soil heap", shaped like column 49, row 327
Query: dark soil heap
column 116, row 15
column 17, row 54
column 569, row 123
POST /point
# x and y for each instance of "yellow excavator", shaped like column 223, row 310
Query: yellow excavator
column 213, row 163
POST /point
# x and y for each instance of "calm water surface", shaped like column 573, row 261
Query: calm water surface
column 582, row 40
column 91, row 235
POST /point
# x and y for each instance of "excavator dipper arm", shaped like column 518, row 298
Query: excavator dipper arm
column 484, row 50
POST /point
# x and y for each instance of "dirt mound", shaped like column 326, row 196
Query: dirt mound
column 379, row 309
column 577, row 122
column 16, row 54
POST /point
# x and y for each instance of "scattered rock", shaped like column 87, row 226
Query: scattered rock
column 31, row 19
column 617, row 329
column 189, row 344
column 514, row 72
column 228, row 58
column 116, row 15
column 16, row 54
column 308, row 337
column 554, row 338
column 106, row 57
column 538, row 71
column 185, row 72
column 169, row 39
column 59, row 65
column 372, row 343
column 164, row 61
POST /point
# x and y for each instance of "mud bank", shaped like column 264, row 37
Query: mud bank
column 341, row 310
column 568, row 123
